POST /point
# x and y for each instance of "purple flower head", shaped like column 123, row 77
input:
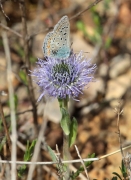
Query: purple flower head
column 63, row 78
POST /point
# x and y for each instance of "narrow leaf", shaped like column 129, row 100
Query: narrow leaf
column 117, row 175
column 73, row 132
column 123, row 169
column 114, row 178
column 52, row 154
column 74, row 175
column 23, row 76
column 27, row 156
column 65, row 121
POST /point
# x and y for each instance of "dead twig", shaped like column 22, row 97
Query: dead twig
column 86, row 9
column 37, row 149
column 47, row 29
column 27, row 61
column 2, row 9
column 19, row 113
column 12, row 105
column 50, row 172
column 69, row 161
column 78, row 14
column 2, row 171
column 119, row 112
column 10, row 30
column 82, row 162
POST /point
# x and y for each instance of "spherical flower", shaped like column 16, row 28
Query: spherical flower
column 63, row 78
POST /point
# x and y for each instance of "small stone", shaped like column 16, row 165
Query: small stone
column 51, row 110
column 83, row 136
column 117, row 87
column 22, row 93
column 119, row 65
column 89, row 94
column 103, row 70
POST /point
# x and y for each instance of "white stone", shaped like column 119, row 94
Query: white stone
column 119, row 65
column 89, row 94
column 103, row 70
column 117, row 87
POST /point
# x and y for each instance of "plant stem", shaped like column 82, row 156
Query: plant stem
column 27, row 60
column 66, row 152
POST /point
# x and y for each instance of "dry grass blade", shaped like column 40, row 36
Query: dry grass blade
column 82, row 162
column 37, row 149
column 12, row 105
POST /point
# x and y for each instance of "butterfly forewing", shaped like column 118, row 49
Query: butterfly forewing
column 47, row 44
column 57, row 42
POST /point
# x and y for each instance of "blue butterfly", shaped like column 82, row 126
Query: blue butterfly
column 57, row 43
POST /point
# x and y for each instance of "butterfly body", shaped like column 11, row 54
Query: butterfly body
column 57, row 43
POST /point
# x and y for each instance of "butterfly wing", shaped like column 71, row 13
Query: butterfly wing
column 57, row 42
column 47, row 44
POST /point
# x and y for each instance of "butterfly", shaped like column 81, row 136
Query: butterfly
column 57, row 43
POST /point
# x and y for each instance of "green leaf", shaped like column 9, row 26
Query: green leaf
column 1, row 125
column 22, row 75
column 117, row 175
column 32, row 146
column 16, row 100
column 96, row 16
column 96, row 19
column 27, row 156
column 106, row 4
column 2, row 143
column 88, row 163
column 52, row 154
column 114, row 178
column 108, row 42
column 32, row 59
column 29, row 150
column 74, row 175
column 123, row 169
column 81, row 26
column 65, row 121
column 73, row 132
column 21, row 171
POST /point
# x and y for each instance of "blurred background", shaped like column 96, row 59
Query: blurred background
column 103, row 33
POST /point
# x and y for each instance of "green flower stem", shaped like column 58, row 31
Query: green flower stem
column 66, row 153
